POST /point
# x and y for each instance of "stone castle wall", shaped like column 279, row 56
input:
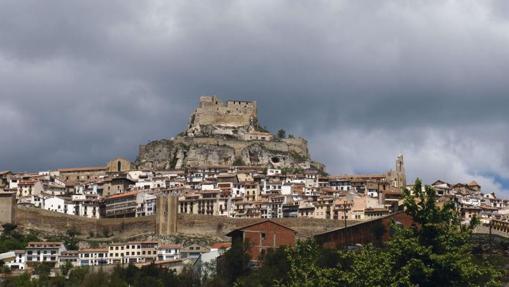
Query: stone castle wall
column 211, row 111
column 187, row 224
column 221, row 134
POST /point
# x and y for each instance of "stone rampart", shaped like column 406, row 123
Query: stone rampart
column 191, row 225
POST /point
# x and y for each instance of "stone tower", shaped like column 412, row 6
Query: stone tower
column 400, row 172
column 166, row 214
column 7, row 207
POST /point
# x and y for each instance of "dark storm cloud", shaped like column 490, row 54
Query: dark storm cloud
column 84, row 81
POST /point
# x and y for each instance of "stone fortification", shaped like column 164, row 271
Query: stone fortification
column 191, row 225
column 224, row 134
column 215, row 117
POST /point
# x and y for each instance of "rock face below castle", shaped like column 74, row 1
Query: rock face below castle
column 224, row 134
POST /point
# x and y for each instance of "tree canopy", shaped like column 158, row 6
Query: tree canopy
column 436, row 252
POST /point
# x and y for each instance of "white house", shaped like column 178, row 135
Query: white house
column 93, row 257
column 55, row 203
column 273, row 171
column 167, row 252
column 86, row 205
column 145, row 204
column 15, row 260
column 37, row 252
column 286, row 189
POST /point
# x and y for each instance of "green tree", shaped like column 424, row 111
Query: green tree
column 238, row 162
column 64, row 269
column 281, row 134
column 22, row 280
column 234, row 264
column 8, row 228
column 437, row 252
column 274, row 268
column 70, row 240
column 11, row 239
column 434, row 252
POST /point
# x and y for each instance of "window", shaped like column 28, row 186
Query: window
column 262, row 236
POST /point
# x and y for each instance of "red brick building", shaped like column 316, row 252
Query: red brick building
column 262, row 236
column 373, row 231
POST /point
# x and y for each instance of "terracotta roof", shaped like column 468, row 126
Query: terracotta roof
column 88, row 250
column 142, row 242
column 376, row 210
column 77, row 169
column 473, row 183
column 120, row 195
column 253, row 224
column 221, row 245
column 170, row 246
column 43, row 244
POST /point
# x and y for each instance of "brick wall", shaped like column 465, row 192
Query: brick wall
column 266, row 235
column 373, row 231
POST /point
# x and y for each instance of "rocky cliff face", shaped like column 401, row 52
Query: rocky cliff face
column 219, row 134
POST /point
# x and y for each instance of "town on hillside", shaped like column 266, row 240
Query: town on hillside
column 226, row 165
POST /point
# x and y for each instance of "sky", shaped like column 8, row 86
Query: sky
column 82, row 82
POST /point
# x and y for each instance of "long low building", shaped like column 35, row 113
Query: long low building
column 373, row 231
column 55, row 253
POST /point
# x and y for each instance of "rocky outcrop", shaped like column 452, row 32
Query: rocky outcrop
column 219, row 134
column 186, row 151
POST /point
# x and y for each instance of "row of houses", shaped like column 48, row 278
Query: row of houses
column 136, row 252
column 472, row 202
column 118, row 190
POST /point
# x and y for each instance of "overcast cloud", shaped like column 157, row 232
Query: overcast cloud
column 82, row 82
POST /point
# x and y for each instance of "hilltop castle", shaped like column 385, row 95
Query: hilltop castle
column 237, row 119
column 223, row 134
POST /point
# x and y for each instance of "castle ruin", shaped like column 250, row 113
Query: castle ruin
column 236, row 119
column 222, row 134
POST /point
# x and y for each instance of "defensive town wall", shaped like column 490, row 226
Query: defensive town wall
column 192, row 225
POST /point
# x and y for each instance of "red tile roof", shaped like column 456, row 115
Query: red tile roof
column 221, row 245
column 120, row 195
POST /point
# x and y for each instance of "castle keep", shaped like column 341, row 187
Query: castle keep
column 228, row 114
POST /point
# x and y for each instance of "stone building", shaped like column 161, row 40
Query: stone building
column 81, row 174
column 117, row 183
column 398, row 176
column 225, row 116
column 166, row 214
column 7, row 207
column 118, row 165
